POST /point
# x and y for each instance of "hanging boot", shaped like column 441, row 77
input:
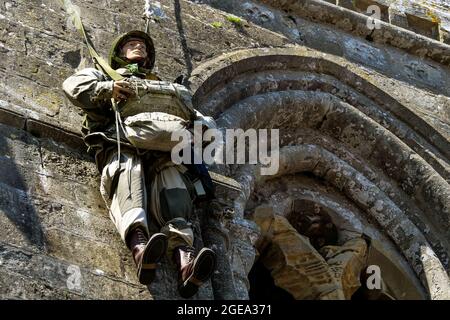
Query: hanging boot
column 146, row 253
column 193, row 270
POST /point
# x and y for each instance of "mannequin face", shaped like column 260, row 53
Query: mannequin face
column 134, row 50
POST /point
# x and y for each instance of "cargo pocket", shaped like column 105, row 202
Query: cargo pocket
column 175, row 203
column 110, row 176
column 171, row 197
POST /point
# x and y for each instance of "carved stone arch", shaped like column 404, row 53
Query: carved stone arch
column 341, row 128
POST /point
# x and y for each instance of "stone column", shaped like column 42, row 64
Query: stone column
column 215, row 236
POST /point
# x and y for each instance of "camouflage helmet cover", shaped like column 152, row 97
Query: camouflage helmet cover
column 120, row 41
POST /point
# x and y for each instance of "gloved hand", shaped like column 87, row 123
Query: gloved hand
column 122, row 90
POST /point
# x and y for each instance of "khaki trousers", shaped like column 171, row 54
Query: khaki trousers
column 123, row 188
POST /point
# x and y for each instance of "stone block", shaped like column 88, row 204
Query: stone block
column 348, row 4
column 398, row 17
column 94, row 225
column 95, row 255
column 19, row 220
column 365, row 53
column 44, row 130
column 352, row 128
column 426, row 27
column 11, row 118
column 64, row 277
column 14, row 286
column 19, row 148
column 324, row 40
column 389, row 157
column 445, row 34
column 60, row 160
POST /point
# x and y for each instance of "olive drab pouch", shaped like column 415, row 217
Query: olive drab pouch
column 157, row 110
column 158, row 96
column 171, row 193
column 153, row 130
column 203, row 184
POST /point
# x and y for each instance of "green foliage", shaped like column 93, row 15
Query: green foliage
column 217, row 24
column 237, row 21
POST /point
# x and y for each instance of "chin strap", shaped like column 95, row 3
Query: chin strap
column 134, row 68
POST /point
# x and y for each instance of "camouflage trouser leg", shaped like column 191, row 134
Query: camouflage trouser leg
column 123, row 189
column 171, row 205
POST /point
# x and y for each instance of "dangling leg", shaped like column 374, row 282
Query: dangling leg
column 125, row 183
column 172, row 207
column 194, row 268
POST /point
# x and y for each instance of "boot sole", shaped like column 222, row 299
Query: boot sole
column 204, row 266
column 154, row 252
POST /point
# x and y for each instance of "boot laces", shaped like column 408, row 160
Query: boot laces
column 189, row 253
column 141, row 236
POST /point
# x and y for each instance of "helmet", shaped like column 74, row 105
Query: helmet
column 115, row 61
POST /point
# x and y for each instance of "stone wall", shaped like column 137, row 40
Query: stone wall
column 429, row 18
column 365, row 130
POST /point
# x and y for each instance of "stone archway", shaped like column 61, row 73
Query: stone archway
column 340, row 128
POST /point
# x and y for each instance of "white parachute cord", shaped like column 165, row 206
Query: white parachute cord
column 148, row 12
column 153, row 11
column 119, row 124
column 118, row 135
column 148, row 15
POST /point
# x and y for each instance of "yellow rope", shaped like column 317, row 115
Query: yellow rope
column 73, row 11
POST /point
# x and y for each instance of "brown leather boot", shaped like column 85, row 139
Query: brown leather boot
column 146, row 253
column 193, row 270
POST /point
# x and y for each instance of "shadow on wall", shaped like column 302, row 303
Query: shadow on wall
column 16, row 204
